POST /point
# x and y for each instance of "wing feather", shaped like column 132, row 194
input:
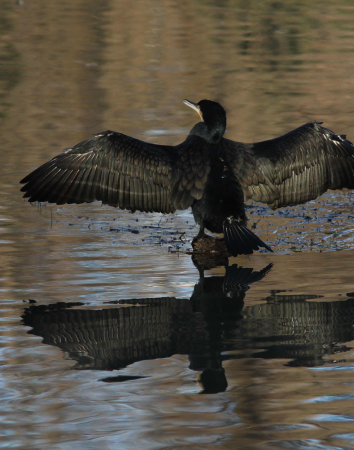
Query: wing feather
column 294, row 168
column 111, row 167
column 192, row 170
column 124, row 172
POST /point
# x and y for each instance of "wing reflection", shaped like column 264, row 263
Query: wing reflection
column 208, row 327
column 289, row 326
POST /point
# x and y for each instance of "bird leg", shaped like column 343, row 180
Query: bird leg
column 200, row 234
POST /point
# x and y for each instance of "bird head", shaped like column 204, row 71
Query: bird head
column 214, row 117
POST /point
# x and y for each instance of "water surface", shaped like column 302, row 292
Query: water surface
column 110, row 336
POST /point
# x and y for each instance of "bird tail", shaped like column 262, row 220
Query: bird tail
column 240, row 240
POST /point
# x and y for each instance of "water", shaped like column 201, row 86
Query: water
column 109, row 335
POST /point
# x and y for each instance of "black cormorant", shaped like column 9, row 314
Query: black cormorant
column 207, row 172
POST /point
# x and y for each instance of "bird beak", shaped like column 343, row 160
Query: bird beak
column 194, row 106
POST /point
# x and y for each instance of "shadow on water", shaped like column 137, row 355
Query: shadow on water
column 210, row 327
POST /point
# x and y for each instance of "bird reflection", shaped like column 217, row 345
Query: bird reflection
column 297, row 329
column 207, row 327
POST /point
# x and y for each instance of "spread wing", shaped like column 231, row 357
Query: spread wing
column 123, row 172
column 294, row 168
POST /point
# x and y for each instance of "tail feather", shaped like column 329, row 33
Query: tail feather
column 232, row 235
column 240, row 240
column 248, row 238
column 246, row 243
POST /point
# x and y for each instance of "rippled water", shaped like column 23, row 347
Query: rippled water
column 110, row 337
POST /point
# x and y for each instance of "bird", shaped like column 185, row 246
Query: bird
column 207, row 172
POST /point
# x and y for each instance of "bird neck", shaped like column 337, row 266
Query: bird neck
column 216, row 132
column 211, row 134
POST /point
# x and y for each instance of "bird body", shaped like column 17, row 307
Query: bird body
column 207, row 172
column 222, row 198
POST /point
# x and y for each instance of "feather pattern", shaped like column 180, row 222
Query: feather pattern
column 124, row 172
column 240, row 240
column 294, row 168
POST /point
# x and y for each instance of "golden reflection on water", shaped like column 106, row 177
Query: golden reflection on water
column 69, row 70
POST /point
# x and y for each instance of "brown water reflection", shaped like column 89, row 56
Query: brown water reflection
column 223, row 336
column 151, row 328
column 214, row 320
column 71, row 69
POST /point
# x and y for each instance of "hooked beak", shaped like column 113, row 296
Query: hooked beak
column 194, row 106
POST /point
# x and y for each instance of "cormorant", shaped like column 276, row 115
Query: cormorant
column 206, row 171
